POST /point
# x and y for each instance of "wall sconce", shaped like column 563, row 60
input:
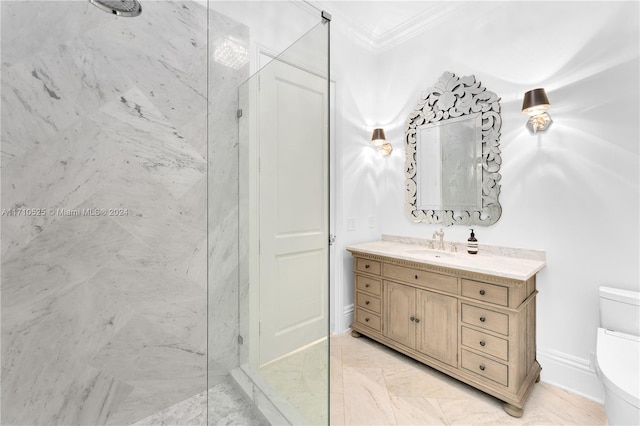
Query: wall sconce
column 380, row 140
column 535, row 104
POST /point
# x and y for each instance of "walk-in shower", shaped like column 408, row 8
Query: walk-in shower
column 142, row 281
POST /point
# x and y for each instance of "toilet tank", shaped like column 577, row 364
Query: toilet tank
column 620, row 310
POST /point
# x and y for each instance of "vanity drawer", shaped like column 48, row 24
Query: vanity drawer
column 485, row 343
column 421, row 278
column 368, row 319
column 370, row 285
column 368, row 266
column 486, row 292
column 368, row 301
column 485, row 367
column 484, row 318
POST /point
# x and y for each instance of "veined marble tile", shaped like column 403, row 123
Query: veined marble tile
column 431, row 384
column 20, row 41
column 100, row 152
column 58, row 259
column 169, row 66
column 162, row 369
column 149, row 138
column 336, row 407
column 335, row 370
column 93, row 400
column 364, row 352
column 562, row 407
column 366, row 399
column 417, row 411
column 45, row 376
column 171, row 302
column 191, row 411
column 46, row 93
column 487, row 411
column 223, row 290
column 228, row 407
column 156, row 219
column 104, row 317
column 70, row 167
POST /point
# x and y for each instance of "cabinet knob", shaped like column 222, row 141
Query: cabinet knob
column 481, row 292
column 366, row 266
column 482, row 319
column 366, row 285
column 366, row 320
column 482, row 367
column 417, row 320
column 412, row 318
column 482, row 343
column 416, row 277
column 366, row 302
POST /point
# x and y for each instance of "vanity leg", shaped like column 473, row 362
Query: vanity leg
column 355, row 334
column 512, row 410
column 538, row 379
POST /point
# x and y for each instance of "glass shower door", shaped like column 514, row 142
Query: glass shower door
column 284, row 225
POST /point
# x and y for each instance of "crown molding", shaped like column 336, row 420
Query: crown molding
column 379, row 43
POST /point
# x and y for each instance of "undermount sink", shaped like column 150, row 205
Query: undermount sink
column 429, row 253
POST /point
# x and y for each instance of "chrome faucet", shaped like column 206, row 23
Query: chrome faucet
column 439, row 234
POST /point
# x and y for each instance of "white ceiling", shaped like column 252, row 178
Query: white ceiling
column 379, row 25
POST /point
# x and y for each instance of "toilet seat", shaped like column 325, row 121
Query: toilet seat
column 617, row 360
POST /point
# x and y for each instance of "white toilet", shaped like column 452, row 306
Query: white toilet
column 618, row 354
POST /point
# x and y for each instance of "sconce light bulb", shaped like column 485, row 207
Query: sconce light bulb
column 540, row 122
column 385, row 149
column 536, row 110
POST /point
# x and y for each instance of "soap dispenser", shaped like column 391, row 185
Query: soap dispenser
column 472, row 244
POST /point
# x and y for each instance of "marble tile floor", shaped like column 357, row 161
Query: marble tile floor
column 374, row 385
column 301, row 380
column 227, row 406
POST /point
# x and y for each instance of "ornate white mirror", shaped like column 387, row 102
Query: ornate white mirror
column 453, row 154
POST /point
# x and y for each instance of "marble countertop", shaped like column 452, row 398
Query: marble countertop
column 501, row 262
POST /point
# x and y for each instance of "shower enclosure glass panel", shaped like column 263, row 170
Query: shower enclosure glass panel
column 283, row 236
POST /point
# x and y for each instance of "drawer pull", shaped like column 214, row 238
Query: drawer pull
column 482, row 367
column 367, row 285
column 366, row 302
column 417, row 320
column 366, row 266
column 367, row 320
column 416, row 277
column 482, row 319
column 482, row 343
column 481, row 292
column 412, row 318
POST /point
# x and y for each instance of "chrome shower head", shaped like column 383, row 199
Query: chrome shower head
column 119, row 7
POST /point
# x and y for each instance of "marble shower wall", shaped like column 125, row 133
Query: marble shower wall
column 103, row 313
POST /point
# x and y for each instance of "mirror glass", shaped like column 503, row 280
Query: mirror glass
column 449, row 174
column 453, row 154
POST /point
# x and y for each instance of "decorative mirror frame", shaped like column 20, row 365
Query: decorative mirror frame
column 453, row 97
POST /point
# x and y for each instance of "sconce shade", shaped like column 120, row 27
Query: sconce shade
column 378, row 137
column 535, row 101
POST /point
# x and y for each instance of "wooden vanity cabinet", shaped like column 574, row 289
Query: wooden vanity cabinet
column 477, row 328
column 422, row 320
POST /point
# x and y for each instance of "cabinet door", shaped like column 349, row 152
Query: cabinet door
column 399, row 308
column 437, row 331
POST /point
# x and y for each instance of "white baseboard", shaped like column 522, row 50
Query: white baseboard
column 347, row 319
column 570, row 373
